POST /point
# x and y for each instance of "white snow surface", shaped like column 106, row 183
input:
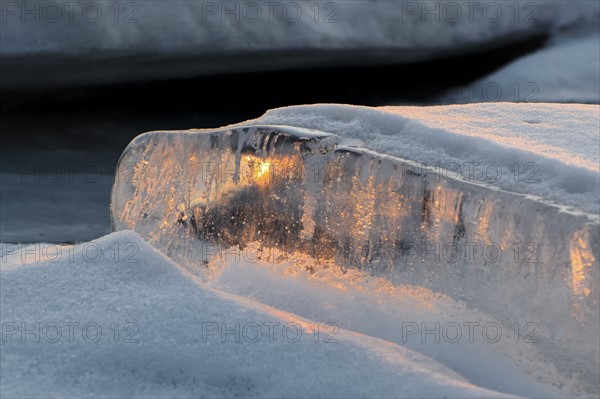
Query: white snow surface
column 566, row 71
column 167, row 353
column 555, row 147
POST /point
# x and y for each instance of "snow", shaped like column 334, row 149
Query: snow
column 140, row 40
column 560, row 140
column 165, row 352
column 354, row 300
column 564, row 72
column 199, row 27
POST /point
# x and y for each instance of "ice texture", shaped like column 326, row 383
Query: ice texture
column 324, row 198
column 554, row 146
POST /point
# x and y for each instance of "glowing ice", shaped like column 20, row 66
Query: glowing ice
column 194, row 195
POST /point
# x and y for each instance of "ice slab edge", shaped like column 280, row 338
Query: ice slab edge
column 196, row 194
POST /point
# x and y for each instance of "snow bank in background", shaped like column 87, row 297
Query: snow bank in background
column 546, row 150
column 212, row 37
column 159, row 347
column 565, row 72
column 218, row 27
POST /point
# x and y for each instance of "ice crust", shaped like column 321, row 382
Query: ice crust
column 313, row 191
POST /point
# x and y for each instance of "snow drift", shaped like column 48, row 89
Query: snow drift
column 566, row 71
column 136, row 325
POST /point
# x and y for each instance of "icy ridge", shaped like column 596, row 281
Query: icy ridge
column 194, row 194
column 545, row 150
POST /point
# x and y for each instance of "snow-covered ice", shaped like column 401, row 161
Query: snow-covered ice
column 376, row 190
column 557, row 144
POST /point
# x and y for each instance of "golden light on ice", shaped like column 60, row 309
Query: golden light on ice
column 581, row 260
column 259, row 171
column 263, row 169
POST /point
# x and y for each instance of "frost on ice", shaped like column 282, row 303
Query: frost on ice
column 317, row 198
